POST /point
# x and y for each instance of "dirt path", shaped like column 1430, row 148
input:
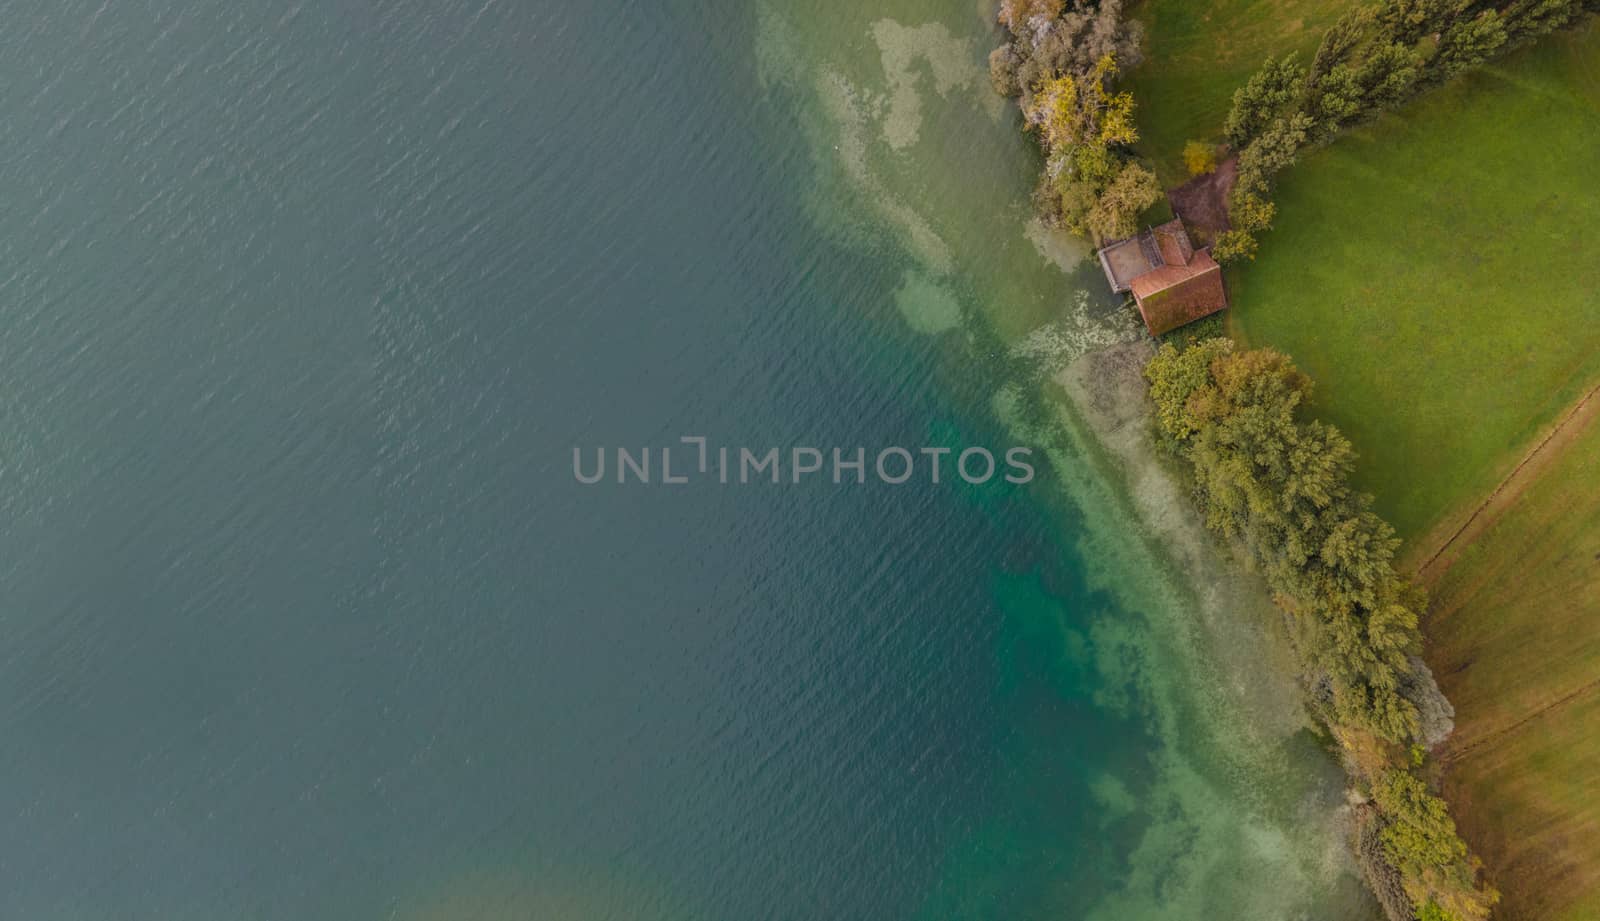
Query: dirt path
column 1202, row 202
column 1573, row 424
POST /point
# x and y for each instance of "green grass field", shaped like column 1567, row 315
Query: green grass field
column 1197, row 54
column 1438, row 274
column 1516, row 638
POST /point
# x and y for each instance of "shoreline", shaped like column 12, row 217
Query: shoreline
column 1237, row 662
column 1108, row 389
column 1239, row 622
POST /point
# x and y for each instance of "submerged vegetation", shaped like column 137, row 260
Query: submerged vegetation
column 1277, row 484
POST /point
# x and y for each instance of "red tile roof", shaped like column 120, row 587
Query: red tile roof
column 1173, row 243
column 1174, row 295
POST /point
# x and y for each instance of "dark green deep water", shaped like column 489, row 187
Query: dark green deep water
column 303, row 615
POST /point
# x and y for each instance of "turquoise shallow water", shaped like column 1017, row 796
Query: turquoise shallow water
column 302, row 310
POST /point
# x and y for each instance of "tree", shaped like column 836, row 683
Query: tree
column 1199, row 158
column 1072, row 40
column 1338, row 98
column 1061, row 61
column 1337, row 43
column 1466, row 44
column 1387, row 75
column 1016, row 14
column 1529, row 19
column 1421, row 835
column 1234, row 246
column 1264, row 97
column 1275, row 149
column 1114, row 214
column 1278, row 485
column 1281, row 487
column 1073, row 179
column 1337, row 95
column 1085, row 129
column 1075, row 201
column 1093, row 165
column 1096, row 29
column 1409, row 21
column 1054, row 112
column 1420, row 839
column 1175, row 376
column 1070, row 110
column 1250, row 213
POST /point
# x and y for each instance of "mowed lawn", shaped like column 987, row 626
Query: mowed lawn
column 1515, row 633
column 1197, row 54
column 1438, row 274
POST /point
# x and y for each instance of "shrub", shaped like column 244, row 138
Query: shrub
column 1234, row 246
column 1004, row 62
column 1199, row 158
column 1250, row 213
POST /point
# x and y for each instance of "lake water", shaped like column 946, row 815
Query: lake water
column 304, row 308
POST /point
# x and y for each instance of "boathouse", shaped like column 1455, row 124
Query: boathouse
column 1172, row 282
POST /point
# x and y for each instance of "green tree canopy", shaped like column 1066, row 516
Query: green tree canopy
column 1267, row 94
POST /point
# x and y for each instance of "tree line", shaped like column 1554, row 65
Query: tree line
column 1061, row 62
column 1276, row 484
column 1373, row 58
